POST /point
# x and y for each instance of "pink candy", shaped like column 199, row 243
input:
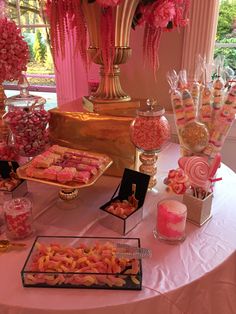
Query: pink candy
column 150, row 133
column 18, row 218
column 28, row 127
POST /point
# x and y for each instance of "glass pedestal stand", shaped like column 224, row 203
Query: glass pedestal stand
column 148, row 166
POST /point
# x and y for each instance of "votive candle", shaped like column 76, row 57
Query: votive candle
column 171, row 220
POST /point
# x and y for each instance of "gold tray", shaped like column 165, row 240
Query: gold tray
column 21, row 172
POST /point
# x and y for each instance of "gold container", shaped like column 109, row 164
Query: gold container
column 199, row 211
column 104, row 134
column 110, row 89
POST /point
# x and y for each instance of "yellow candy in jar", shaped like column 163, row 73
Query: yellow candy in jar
column 195, row 136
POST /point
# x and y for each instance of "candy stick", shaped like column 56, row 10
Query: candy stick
column 176, row 100
column 222, row 125
column 188, row 103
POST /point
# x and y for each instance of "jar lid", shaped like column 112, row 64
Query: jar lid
column 151, row 109
column 24, row 98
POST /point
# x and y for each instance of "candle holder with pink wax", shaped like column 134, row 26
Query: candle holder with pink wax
column 171, row 221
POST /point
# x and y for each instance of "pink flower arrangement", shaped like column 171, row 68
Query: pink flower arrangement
column 14, row 51
column 157, row 16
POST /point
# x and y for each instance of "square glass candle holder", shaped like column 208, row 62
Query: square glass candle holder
column 117, row 223
column 76, row 273
column 9, row 186
column 198, row 210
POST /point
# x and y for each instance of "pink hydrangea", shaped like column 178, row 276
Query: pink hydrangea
column 108, row 3
column 162, row 13
column 14, row 51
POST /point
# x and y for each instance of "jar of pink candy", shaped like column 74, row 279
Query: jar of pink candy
column 150, row 132
column 18, row 218
column 27, row 120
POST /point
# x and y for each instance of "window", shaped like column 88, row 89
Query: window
column 226, row 33
column 29, row 17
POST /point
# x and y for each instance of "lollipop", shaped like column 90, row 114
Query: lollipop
column 199, row 171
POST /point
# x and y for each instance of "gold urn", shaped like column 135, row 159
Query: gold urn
column 110, row 89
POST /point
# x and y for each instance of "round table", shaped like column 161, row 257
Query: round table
column 196, row 276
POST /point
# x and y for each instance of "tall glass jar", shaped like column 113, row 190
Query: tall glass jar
column 149, row 132
column 27, row 121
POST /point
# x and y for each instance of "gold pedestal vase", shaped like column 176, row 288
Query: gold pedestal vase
column 110, row 90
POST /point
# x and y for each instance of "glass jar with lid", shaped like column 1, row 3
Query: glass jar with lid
column 27, row 120
column 150, row 132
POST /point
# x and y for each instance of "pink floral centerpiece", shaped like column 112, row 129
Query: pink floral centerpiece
column 14, row 51
column 157, row 16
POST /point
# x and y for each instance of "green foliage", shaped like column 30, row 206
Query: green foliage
column 39, row 48
column 228, row 53
column 227, row 16
column 48, row 59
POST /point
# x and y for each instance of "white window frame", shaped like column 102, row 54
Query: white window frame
column 39, row 88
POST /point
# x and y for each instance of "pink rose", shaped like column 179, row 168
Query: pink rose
column 162, row 14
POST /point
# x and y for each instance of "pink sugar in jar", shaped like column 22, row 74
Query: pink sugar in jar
column 171, row 221
column 150, row 132
column 18, row 218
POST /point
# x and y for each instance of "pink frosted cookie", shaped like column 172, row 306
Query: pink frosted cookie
column 42, row 162
column 82, row 176
column 51, row 172
column 67, row 174
column 35, row 172
column 58, row 149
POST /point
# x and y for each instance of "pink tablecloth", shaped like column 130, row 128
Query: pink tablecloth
column 197, row 276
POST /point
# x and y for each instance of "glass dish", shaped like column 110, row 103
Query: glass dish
column 71, row 271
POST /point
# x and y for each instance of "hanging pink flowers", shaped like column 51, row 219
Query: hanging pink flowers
column 14, row 51
column 157, row 16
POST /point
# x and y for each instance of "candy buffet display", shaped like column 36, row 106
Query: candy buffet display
column 83, row 262
column 18, row 218
column 65, row 167
column 171, row 221
column 149, row 132
column 124, row 211
column 27, row 121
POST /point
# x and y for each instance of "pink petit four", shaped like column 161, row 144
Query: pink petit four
column 67, row 174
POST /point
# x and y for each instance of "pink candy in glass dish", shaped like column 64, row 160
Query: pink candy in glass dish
column 27, row 120
column 171, row 221
column 18, row 218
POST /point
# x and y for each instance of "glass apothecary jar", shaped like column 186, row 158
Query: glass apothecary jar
column 150, row 132
column 18, row 218
column 27, row 120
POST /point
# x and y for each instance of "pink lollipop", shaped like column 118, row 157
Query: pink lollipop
column 197, row 170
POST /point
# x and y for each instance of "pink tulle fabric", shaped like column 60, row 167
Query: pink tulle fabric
column 14, row 51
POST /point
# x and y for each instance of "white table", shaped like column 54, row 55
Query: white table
column 197, row 276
